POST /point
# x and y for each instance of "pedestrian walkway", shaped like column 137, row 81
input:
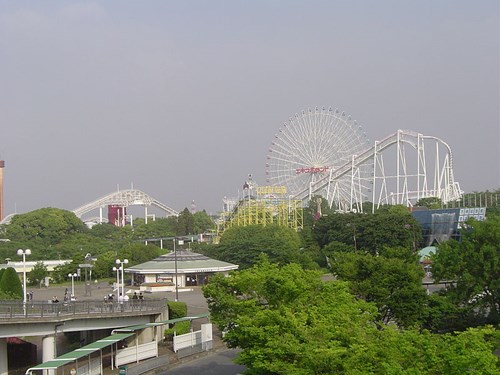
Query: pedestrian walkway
column 193, row 297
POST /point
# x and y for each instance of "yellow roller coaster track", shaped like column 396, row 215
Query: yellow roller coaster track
column 264, row 210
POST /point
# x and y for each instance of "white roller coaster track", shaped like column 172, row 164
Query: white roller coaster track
column 409, row 177
column 125, row 198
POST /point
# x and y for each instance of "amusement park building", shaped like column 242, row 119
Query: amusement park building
column 440, row 225
column 187, row 267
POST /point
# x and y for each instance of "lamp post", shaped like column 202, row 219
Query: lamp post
column 175, row 262
column 23, row 253
column 122, row 266
column 72, row 275
column 117, row 270
column 88, row 265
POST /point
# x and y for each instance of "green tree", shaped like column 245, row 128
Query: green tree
column 474, row 263
column 60, row 273
column 48, row 225
column 138, row 253
column 393, row 284
column 185, row 223
column 372, row 233
column 38, row 273
column 203, row 222
column 286, row 320
column 161, row 227
column 243, row 245
column 103, row 266
column 10, row 284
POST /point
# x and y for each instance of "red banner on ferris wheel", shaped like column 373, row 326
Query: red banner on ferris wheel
column 311, row 170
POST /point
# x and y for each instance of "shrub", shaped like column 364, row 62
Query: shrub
column 176, row 309
column 11, row 284
column 180, row 328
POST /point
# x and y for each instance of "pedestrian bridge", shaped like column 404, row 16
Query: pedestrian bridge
column 47, row 319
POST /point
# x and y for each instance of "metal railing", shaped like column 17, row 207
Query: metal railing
column 39, row 309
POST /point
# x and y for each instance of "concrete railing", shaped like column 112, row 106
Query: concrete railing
column 36, row 309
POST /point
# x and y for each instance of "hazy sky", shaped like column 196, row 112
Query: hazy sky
column 182, row 98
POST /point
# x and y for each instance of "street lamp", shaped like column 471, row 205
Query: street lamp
column 72, row 275
column 88, row 265
column 23, row 253
column 119, row 262
column 117, row 270
column 175, row 263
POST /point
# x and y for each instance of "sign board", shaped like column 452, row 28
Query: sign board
column 263, row 190
column 85, row 265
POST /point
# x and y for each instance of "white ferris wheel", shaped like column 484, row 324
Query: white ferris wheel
column 311, row 146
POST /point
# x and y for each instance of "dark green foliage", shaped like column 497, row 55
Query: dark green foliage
column 176, row 309
column 185, row 223
column 288, row 321
column 5, row 295
column 105, row 231
column 474, row 263
column 244, row 245
column 54, row 234
column 179, row 328
column 377, row 254
column 372, row 233
column 46, row 225
column 203, row 222
column 161, row 227
column 394, row 285
column 137, row 253
column 103, row 266
column 442, row 316
column 10, row 284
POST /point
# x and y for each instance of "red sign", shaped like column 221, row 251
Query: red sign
column 311, row 170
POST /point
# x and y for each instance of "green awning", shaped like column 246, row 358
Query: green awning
column 110, row 340
column 51, row 365
column 80, row 352
column 161, row 323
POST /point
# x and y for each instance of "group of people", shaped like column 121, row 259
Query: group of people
column 135, row 296
column 107, row 298
column 110, row 297
column 66, row 299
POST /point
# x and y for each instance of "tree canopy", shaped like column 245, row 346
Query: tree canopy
column 392, row 284
column 47, row 225
column 243, row 245
column 287, row 320
column 37, row 274
column 474, row 264
column 372, row 233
